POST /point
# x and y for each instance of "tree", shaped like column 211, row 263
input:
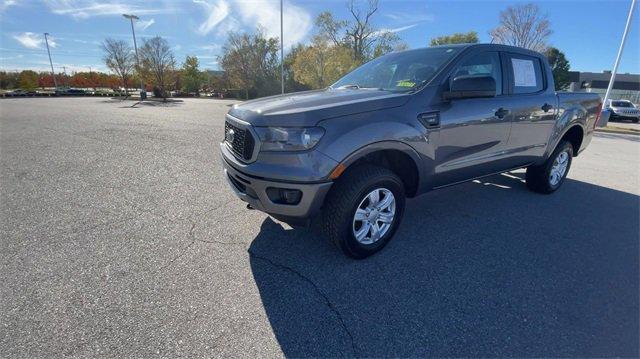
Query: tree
column 559, row 67
column 118, row 57
column 388, row 42
column 215, row 80
column 192, row 78
column 523, row 26
column 321, row 64
column 8, row 80
column 470, row 37
column 251, row 63
column 358, row 34
column 28, row 80
column 290, row 82
column 157, row 63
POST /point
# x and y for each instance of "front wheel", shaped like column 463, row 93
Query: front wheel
column 549, row 176
column 363, row 210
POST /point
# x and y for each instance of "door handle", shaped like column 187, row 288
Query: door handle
column 501, row 112
column 546, row 107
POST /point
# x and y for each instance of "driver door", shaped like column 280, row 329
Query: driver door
column 474, row 131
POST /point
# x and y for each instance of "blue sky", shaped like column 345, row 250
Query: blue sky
column 587, row 31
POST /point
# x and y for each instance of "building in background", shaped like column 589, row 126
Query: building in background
column 626, row 87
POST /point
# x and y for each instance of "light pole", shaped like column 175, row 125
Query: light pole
column 135, row 46
column 64, row 78
column 615, row 65
column 281, row 47
column 53, row 74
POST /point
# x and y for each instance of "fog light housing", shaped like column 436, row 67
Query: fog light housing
column 284, row 195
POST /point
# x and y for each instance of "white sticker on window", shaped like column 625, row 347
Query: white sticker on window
column 523, row 73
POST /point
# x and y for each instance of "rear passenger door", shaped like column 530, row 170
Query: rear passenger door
column 533, row 107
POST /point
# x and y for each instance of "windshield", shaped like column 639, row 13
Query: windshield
column 621, row 104
column 401, row 71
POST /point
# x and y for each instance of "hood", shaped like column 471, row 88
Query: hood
column 309, row 107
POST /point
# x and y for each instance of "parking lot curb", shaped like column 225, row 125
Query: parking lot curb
column 619, row 130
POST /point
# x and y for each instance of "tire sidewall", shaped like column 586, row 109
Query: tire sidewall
column 564, row 147
column 354, row 247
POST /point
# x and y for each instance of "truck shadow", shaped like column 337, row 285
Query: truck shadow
column 486, row 268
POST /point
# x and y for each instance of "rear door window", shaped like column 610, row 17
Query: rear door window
column 526, row 74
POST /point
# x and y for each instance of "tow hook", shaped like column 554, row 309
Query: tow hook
column 249, row 206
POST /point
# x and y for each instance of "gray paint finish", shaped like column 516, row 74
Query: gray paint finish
column 474, row 137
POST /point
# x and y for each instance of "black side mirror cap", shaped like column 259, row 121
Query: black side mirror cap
column 471, row 86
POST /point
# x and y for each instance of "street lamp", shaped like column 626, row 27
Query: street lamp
column 53, row 74
column 132, row 17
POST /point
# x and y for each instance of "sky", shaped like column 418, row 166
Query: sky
column 588, row 32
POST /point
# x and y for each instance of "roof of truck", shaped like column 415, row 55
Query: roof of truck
column 497, row 47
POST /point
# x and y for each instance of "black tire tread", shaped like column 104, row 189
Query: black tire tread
column 536, row 176
column 340, row 199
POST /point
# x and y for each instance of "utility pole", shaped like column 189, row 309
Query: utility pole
column 64, row 79
column 615, row 66
column 53, row 74
column 282, row 46
column 135, row 46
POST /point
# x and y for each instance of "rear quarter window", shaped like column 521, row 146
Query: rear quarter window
column 526, row 74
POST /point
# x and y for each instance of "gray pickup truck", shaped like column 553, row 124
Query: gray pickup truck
column 399, row 126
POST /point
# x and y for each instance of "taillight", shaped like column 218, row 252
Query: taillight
column 598, row 113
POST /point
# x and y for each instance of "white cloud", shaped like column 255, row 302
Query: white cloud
column 84, row 9
column 394, row 30
column 31, row 40
column 12, row 57
column 297, row 20
column 417, row 16
column 212, row 47
column 143, row 25
column 5, row 4
column 218, row 10
column 225, row 15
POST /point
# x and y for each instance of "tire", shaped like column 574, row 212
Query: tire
column 539, row 178
column 636, row 120
column 352, row 192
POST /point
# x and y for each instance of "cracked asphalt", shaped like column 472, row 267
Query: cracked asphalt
column 119, row 237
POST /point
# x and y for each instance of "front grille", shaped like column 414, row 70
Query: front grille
column 242, row 143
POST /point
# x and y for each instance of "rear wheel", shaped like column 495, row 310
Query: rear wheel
column 549, row 176
column 363, row 210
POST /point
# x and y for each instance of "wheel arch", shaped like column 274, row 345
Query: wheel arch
column 573, row 132
column 396, row 156
column 575, row 135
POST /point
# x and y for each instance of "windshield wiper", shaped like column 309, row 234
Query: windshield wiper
column 358, row 87
column 350, row 86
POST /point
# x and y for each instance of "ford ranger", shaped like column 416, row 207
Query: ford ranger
column 398, row 126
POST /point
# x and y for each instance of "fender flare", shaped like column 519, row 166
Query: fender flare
column 386, row 145
column 577, row 117
column 556, row 140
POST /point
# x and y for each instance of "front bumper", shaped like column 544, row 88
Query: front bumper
column 253, row 191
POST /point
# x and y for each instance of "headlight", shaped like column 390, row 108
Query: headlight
column 288, row 138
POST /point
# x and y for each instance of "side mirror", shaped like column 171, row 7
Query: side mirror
column 470, row 86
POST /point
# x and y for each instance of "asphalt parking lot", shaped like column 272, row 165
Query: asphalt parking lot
column 121, row 238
